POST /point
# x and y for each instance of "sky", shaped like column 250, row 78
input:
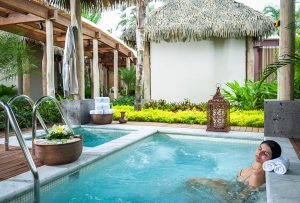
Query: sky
column 109, row 20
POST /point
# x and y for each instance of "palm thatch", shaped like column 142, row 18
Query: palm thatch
column 91, row 5
column 129, row 36
column 194, row 20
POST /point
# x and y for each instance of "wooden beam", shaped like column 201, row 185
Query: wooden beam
column 62, row 38
column 30, row 33
column 3, row 14
column 15, row 18
column 25, row 7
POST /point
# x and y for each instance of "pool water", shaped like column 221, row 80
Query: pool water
column 154, row 170
column 93, row 137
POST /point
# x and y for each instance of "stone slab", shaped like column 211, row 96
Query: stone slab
column 78, row 111
column 282, row 118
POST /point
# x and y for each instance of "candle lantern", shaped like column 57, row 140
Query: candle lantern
column 218, row 111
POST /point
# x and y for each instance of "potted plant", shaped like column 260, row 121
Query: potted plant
column 60, row 146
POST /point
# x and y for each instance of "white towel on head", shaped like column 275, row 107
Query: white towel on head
column 282, row 165
column 269, row 165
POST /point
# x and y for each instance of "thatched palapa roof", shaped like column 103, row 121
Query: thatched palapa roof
column 91, row 5
column 194, row 20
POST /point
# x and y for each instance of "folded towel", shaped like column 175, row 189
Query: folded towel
column 269, row 165
column 108, row 111
column 282, row 165
column 102, row 100
column 102, row 106
column 96, row 111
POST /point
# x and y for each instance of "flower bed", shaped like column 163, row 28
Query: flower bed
column 253, row 118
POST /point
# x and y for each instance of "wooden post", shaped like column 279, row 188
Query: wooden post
column 26, row 84
column 141, row 15
column 147, row 72
column 44, row 70
column 286, row 46
column 127, row 62
column 50, row 58
column 76, row 21
column 250, row 59
column 101, row 76
column 116, row 74
column 95, row 71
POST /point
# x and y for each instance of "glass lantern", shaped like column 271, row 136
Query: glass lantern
column 218, row 111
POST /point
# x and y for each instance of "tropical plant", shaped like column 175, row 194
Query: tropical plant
column 123, row 100
column 59, row 132
column 7, row 91
column 252, row 118
column 92, row 16
column 272, row 11
column 16, row 56
column 251, row 95
column 175, row 106
column 128, row 76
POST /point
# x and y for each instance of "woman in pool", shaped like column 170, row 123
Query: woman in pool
column 247, row 178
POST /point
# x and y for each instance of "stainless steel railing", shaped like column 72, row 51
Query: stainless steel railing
column 34, row 116
column 10, row 103
column 13, row 122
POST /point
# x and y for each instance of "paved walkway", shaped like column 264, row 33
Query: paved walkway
column 193, row 126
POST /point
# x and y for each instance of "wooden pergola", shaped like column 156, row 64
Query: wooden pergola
column 49, row 26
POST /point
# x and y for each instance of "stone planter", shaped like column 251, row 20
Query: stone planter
column 101, row 119
column 56, row 153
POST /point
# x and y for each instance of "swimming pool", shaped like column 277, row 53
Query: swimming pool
column 94, row 136
column 156, row 169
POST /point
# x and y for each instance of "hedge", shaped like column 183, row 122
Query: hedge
column 251, row 118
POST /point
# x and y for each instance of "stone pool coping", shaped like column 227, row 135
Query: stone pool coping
column 23, row 183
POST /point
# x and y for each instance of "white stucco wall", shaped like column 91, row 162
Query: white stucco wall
column 191, row 70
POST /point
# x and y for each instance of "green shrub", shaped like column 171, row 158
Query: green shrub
column 250, row 96
column 7, row 90
column 254, row 118
column 23, row 113
column 124, row 100
column 173, row 106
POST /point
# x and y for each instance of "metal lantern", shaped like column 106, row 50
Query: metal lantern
column 218, row 110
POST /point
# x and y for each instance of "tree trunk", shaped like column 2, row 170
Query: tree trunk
column 141, row 15
column 287, row 46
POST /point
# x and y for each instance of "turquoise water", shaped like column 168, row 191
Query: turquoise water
column 154, row 170
column 93, row 137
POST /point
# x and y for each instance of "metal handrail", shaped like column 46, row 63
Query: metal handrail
column 12, row 119
column 34, row 116
column 10, row 103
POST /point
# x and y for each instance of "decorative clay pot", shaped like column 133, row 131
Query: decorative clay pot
column 50, row 153
column 123, row 119
column 101, row 119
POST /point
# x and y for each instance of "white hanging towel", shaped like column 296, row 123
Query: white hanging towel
column 69, row 73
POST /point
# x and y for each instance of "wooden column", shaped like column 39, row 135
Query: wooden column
column 26, row 84
column 76, row 21
column 141, row 16
column 127, row 62
column 101, row 76
column 147, row 71
column 250, row 59
column 44, row 70
column 116, row 74
column 286, row 46
column 50, row 58
column 95, row 71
